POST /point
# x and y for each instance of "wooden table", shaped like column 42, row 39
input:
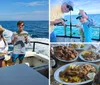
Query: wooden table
column 21, row 74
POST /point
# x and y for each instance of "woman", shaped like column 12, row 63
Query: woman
column 3, row 48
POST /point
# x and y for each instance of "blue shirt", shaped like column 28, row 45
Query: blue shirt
column 53, row 37
column 87, row 32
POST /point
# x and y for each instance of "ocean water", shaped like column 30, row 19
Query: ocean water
column 59, row 30
column 38, row 29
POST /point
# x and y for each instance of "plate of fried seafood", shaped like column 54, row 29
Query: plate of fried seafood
column 76, row 73
column 78, row 46
column 65, row 54
column 90, row 56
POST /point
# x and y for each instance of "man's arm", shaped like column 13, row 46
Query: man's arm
column 26, row 39
column 57, row 21
column 13, row 38
column 83, row 14
column 12, row 41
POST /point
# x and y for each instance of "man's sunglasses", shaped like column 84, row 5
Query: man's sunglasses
column 69, row 7
column 22, row 25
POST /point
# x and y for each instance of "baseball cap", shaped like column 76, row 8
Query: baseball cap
column 80, row 16
column 69, row 4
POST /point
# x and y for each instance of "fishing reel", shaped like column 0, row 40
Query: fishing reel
column 60, row 23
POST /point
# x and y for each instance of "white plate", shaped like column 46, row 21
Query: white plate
column 92, row 61
column 68, row 60
column 86, row 46
column 80, row 48
column 56, row 74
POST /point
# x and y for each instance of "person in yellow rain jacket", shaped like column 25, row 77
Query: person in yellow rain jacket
column 56, row 13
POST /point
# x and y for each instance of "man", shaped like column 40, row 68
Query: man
column 19, row 39
column 56, row 13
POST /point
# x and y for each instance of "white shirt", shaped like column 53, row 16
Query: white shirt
column 3, row 47
column 20, row 47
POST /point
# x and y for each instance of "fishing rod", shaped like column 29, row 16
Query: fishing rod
column 70, row 26
column 60, row 24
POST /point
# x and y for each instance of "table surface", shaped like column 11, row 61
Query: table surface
column 21, row 74
column 59, row 64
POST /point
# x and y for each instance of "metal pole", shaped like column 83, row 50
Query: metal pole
column 33, row 46
column 65, row 30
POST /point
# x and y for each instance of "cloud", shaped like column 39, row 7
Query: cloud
column 90, row 6
column 40, row 12
column 35, row 3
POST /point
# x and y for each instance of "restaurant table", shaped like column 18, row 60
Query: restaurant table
column 21, row 74
column 53, row 81
column 60, row 63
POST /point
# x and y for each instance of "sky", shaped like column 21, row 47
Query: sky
column 24, row 10
column 89, row 6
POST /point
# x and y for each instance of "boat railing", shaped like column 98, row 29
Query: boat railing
column 77, row 37
column 34, row 44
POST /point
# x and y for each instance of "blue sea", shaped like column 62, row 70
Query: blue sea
column 38, row 29
column 95, row 31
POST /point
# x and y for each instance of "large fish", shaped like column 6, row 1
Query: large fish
column 23, row 34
